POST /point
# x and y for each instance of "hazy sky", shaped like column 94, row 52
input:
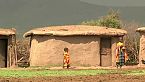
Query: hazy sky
column 117, row 3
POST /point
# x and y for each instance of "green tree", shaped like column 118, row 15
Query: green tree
column 112, row 20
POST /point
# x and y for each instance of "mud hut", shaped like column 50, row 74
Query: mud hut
column 88, row 45
column 142, row 46
column 7, row 48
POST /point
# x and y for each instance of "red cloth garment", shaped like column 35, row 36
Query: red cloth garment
column 66, row 59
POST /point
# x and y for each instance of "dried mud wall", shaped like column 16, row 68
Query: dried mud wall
column 142, row 48
column 113, row 48
column 11, row 52
column 48, row 50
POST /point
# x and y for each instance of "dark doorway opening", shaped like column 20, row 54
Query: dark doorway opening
column 105, row 52
column 3, row 53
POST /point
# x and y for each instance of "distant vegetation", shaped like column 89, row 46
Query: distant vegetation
column 111, row 20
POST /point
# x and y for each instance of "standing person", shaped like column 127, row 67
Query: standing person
column 121, row 55
column 125, row 54
column 118, row 53
column 66, row 59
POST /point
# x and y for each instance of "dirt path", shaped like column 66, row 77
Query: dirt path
column 98, row 78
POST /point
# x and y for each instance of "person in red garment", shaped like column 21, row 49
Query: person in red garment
column 66, row 59
column 121, row 55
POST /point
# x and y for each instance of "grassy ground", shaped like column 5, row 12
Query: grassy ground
column 35, row 73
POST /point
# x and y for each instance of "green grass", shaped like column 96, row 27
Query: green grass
column 44, row 72
column 135, row 72
column 34, row 73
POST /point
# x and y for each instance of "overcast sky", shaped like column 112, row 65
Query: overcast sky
column 117, row 3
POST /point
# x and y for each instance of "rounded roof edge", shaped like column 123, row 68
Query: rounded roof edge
column 141, row 29
column 7, row 32
column 70, row 30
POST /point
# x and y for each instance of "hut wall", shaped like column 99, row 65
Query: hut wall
column 14, row 53
column 113, row 47
column 48, row 50
column 11, row 52
column 142, row 48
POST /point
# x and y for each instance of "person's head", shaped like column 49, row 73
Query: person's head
column 120, row 39
column 123, row 48
column 66, row 49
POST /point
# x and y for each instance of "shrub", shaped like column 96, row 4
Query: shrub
column 23, row 52
column 112, row 20
column 131, row 41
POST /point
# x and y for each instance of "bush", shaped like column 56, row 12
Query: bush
column 23, row 52
column 112, row 20
column 131, row 41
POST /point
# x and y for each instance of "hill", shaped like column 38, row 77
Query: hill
column 27, row 14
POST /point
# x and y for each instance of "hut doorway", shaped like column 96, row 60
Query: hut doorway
column 105, row 52
column 3, row 53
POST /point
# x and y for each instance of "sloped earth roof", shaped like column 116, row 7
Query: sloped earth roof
column 70, row 30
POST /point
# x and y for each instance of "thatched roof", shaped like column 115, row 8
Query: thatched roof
column 70, row 30
column 7, row 32
column 142, row 29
